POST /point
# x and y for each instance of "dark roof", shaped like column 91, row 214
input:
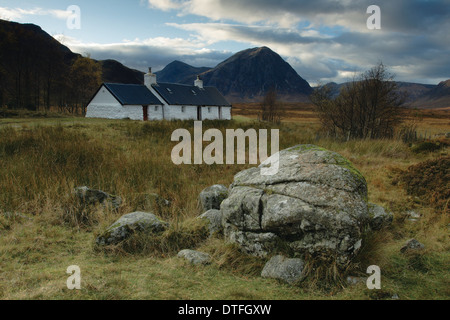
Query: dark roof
column 132, row 94
column 180, row 94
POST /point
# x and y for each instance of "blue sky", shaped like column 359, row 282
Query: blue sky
column 324, row 40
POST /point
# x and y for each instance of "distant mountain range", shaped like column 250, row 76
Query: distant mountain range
column 423, row 96
column 27, row 52
column 246, row 76
column 437, row 97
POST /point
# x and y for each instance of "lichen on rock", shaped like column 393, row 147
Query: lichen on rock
column 315, row 204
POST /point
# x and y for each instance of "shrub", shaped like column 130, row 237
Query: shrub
column 365, row 109
column 430, row 181
column 426, row 146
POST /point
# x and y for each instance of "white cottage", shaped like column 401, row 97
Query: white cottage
column 158, row 101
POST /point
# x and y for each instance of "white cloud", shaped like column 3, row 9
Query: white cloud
column 166, row 5
column 18, row 13
column 321, row 58
column 60, row 14
column 282, row 13
column 155, row 52
column 332, row 44
column 405, row 16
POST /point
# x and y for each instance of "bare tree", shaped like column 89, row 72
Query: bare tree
column 272, row 109
column 368, row 108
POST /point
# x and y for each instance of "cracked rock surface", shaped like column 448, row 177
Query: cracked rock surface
column 316, row 204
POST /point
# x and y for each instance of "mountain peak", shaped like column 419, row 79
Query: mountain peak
column 262, row 50
column 250, row 74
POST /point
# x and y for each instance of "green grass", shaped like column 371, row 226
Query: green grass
column 43, row 159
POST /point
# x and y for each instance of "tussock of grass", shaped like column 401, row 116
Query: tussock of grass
column 323, row 275
column 228, row 257
column 180, row 235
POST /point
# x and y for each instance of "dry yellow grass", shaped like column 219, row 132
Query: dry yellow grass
column 43, row 159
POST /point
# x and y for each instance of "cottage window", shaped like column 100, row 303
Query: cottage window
column 183, row 109
column 156, row 108
column 209, row 109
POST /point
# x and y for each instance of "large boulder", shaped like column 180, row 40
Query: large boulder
column 130, row 223
column 212, row 197
column 316, row 204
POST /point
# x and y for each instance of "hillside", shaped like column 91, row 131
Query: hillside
column 115, row 72
column 438, row 97
column 35, row 69
column 414, row 91
column 180, row 72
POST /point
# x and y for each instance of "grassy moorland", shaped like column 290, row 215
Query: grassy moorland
column 43, row 229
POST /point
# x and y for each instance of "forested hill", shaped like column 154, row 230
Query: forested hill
column 38, row 72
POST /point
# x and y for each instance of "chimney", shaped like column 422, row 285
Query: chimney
column 149, row 78
column 198, row 82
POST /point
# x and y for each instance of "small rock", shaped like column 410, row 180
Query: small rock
column 379, row 217
column 195, row 257
column 412, row 244
column 92, row 197
column 214, row 217
column 130, row 223
column 285, row 269
column 212, row 197
column 413, row 214
column 395, row 297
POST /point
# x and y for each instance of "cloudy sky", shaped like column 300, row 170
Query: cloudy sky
column 323, row 40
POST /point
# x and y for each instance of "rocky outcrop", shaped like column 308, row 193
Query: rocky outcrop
column 212, row 197
column 129, row 224
column 315, row 204
column 89, row 196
